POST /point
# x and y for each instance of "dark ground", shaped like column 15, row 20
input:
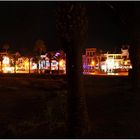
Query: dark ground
column 114, row 109
column 35, row 107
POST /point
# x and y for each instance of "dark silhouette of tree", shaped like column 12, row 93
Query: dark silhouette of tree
column 29, row 56
column 72, row 27
column 132, row 26
column 1, row 59
column 5, row 47
column 50, row 55
column 39, row 48
column 128, row 16
column 27, row 53
column 15, row 57
column 24, row 51
column 134, row 51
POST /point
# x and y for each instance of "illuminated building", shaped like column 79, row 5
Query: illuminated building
column 93, row 61
column 113, row 61
column 5, row 65
column 106, row 62
column 89, row 60
column 10, row 63
column 116, row 62
column 6, row 68
column 44, row 63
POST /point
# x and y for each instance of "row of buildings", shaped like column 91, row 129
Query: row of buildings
column 15, row 63
column 93, row 61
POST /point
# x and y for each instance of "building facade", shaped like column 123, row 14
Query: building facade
column 106, row 62
column 90, row 59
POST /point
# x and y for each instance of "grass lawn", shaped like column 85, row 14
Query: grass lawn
column 35, row 107
column 113, row 107
column 31, row 107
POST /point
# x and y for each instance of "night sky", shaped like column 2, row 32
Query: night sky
column 22, row 23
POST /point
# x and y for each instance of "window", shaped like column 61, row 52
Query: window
column 90, row 53
column 87, row 53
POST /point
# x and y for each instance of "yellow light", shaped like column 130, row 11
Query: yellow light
column 26, row 63
column 8, row 69
column 125, row 62
column 110, row 63
column 61, row 63
column 6, row 60
column 93, row 63
column 116, row 64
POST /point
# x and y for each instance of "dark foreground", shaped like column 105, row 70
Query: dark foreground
column 35, row 107
column 113, row 107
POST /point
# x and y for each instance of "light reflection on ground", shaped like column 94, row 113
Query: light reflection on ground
column 107, row 74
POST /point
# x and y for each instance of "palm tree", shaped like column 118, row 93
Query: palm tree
column 16, row 56
column 50, row 55
column 39, row 48
column 29, row 56
column 27, row 53
column 72, row 28
column 6, row 46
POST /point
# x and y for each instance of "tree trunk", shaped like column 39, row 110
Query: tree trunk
column 38, row 67
column 29, row 67
column 134, row 73
column 72, row 25
column 134, row 51
column 78, row 125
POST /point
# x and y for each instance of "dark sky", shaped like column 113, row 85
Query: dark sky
column 22, row 23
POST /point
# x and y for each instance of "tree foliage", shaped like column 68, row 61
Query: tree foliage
column 39, row 47
column 5, row 47
column 72, row 21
